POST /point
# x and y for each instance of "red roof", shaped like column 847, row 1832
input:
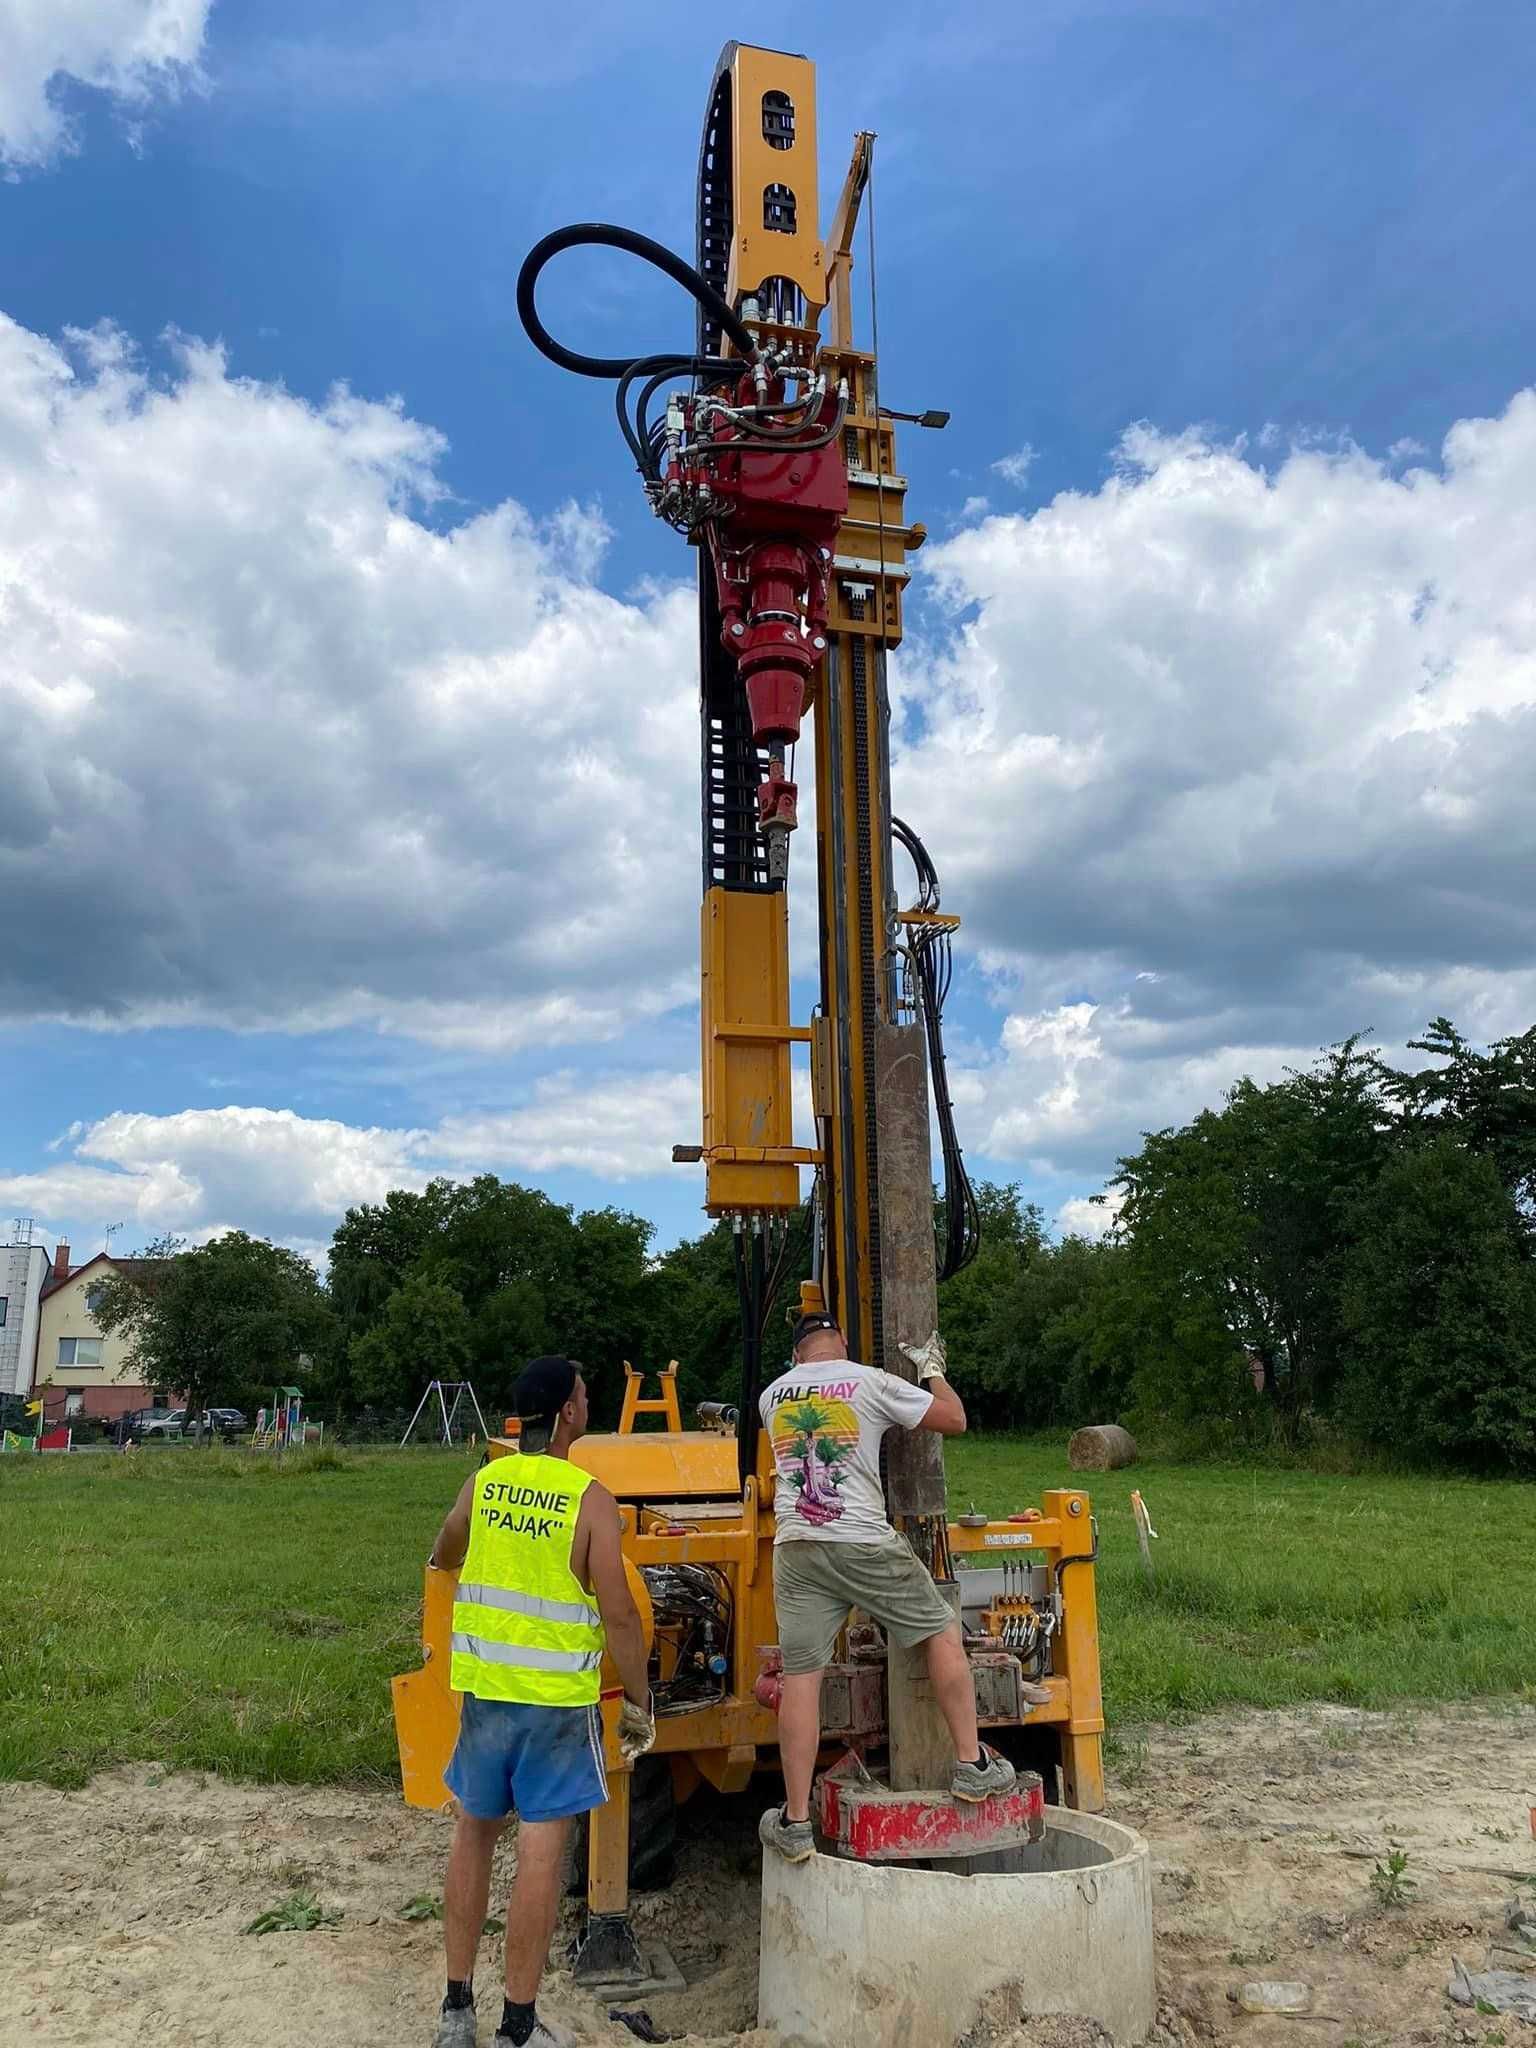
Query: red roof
column 135, row 1268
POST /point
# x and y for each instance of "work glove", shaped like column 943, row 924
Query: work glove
column 927, row 1357
column 637, row 1730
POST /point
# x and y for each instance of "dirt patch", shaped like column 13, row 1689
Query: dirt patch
column 121, row 1906
column 1266, row 1830
column 1003, row 2022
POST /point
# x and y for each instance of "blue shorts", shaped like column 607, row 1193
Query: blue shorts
column 543, row 1763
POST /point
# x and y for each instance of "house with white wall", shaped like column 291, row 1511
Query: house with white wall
column 81, row 1369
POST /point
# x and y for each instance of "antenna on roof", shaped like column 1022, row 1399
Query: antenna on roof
column 112, row 1230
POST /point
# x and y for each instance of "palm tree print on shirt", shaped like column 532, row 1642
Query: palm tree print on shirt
column 812, row 1440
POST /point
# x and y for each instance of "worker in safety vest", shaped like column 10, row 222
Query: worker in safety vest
column 541, row 1593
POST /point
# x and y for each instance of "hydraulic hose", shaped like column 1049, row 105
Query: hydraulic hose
column 929, row 951
column 665, row 368
column 598, row 234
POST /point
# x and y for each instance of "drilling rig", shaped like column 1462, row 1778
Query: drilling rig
column 765, row 445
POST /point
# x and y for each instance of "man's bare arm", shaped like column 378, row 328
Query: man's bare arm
column 605, row 1575
column 947, row 1415
column 453, row 1537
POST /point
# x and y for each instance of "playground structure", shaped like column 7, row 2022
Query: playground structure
column 23, row 1427
column 282, row 1426
column 448, row 1411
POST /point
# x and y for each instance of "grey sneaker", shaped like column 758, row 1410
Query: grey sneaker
column 988, row 1779
column 455, row 2029
column 792, row 1839
column 545, row 2035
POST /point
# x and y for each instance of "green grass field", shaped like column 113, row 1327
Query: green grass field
column 216, row 1610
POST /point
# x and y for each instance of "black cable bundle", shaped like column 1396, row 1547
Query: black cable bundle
column 646, row 441
column 692, row 1608
column 598, row 234
column 932, row 967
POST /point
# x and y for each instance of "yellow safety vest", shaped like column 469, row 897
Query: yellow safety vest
column 524, row 1626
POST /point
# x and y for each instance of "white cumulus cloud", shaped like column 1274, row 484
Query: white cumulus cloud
column 284, row 750
column 1221, row 761
column 292, row 1177
column 617, row 1126
column 1226, row 760
column 1082, row 1216
column 133, row 49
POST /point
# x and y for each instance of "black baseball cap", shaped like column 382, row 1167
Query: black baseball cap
column 543, row 1387
column 808, row 1325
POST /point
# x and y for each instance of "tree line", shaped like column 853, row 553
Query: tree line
column 1349, row 1251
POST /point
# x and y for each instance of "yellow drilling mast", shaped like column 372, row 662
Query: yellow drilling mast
column 773, row 455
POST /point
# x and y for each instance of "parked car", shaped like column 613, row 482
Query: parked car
column 224, row 1422
column 134, row 1423
column 162, row 1422
column 141, row 1423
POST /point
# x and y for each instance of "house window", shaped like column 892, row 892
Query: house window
column 5, row 1302
column 79, row 1351
column 93, row 1298
column 74, row 1404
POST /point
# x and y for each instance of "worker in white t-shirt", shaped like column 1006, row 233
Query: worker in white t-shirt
column 835, row 1549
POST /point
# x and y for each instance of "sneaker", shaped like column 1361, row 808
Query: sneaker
column 455, row 2028
column 545, row 2035
column 793, row 1839
column 990, row 1778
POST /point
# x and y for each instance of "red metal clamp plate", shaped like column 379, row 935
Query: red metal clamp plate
column 866, row 1820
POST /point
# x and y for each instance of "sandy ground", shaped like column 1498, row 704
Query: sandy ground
column 121, row 1907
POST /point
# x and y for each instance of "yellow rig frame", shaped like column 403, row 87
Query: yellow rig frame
column 680, row 1503
column 698, row 1496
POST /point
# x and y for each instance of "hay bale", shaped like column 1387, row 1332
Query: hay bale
column 1104, row 1448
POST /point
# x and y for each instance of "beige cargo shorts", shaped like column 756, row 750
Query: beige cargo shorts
column 816, row 1584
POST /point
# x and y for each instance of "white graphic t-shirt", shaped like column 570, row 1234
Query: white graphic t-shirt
column 825, row 1422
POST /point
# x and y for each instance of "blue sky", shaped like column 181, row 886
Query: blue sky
column 1218, row 733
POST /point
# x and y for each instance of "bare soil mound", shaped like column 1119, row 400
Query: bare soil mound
column 122, row 1907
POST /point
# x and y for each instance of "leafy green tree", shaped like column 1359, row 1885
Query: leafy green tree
column 530, row 1274
column 377, row 1244
column 423, row 1335
column 494, row 1235
column 596, row 1300
column 693, row 1314
column 223, row 1323
column 1241, row 1245
column 1486, row 1100
column 1092, row 1321
column 692, row 1311
column 1012, row 1237
column 1440, row 1309
column 510, row 1327
column 1239, row 1223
